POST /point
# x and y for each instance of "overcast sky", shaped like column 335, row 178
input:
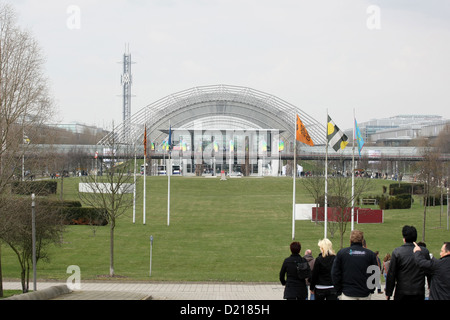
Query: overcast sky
column 379, row 58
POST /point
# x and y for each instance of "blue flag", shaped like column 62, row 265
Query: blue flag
column 359, row 138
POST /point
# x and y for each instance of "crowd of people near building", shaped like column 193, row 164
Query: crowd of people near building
column 353, row 273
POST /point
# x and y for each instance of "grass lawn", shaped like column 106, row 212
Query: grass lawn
column 234, row 230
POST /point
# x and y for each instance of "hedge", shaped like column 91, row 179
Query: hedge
column 332, row 201
column 64, row 203
column 400, row 201
column 84, row 216
column 436, row 200
column 405, row 188
column 73, row 213
column 39, row 188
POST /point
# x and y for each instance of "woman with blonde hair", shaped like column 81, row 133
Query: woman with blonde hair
column 321, row 283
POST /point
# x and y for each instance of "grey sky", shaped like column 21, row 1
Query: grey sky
column 317, row 55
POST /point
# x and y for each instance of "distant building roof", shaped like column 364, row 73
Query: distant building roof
column 401, row 128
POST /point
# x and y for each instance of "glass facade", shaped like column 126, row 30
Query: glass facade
column 234, row 151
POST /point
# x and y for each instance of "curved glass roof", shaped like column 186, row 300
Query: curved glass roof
column 216, row 107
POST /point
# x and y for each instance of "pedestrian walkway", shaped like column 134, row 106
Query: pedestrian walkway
column 105, row 290
column 164, row 291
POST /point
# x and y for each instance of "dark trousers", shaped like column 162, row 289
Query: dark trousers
column 325, row 294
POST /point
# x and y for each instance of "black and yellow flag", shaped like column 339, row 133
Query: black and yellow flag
column 301, row 134
column 336, row 138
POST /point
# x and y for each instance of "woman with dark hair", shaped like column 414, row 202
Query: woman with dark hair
column 295, row 288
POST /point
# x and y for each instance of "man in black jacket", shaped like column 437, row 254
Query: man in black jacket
column 352, row 268
column 404, row 275
column 439, row 269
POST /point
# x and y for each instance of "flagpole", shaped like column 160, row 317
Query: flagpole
column 353, row 173
column 325, row 213
column 294, row 176
column 145, row 179
column 168, row 190
column 134, row 186
column 169, row 172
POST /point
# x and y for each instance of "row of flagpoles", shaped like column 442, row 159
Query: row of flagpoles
column 334, row 137
column 338, row 141
column 169, row 173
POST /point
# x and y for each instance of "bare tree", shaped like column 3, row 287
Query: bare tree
column 16, row 231
column 24, row 97
column 315, row 186
column 430, row 173
column 442, row 145
column 442, row 142
column 110, row 193
column 340, row 197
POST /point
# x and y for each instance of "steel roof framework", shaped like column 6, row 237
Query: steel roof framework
column 213, row 106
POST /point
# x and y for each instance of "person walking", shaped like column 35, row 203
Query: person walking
column 309, row 257
column 377, row 253
column 350, row 271
column 439, row 269
column 295, row 288
column 385, row 269
column 321, row 283
column 427, row 284
column 403, row 275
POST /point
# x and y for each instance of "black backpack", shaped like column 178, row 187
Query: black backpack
column 303, row 269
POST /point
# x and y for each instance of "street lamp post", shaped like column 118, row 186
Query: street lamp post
column 151, row 247
column 33, row 235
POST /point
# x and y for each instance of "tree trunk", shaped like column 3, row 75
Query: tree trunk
column 23, row 281
column 425, row 215
column 1, row 274
column 111, row 252
column 62, row 186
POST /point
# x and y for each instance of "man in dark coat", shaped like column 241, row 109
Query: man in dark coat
column 351, row 269
column 439, row 270
column 295, row 288
column 403, row 275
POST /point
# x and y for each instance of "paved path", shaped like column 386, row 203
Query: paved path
column 168, row 291
column 164, row 291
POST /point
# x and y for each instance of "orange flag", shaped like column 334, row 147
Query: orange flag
column 301, row 134
column 145, row 141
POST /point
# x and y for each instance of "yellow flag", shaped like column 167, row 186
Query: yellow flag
column 301, row 134
column 336, row 138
